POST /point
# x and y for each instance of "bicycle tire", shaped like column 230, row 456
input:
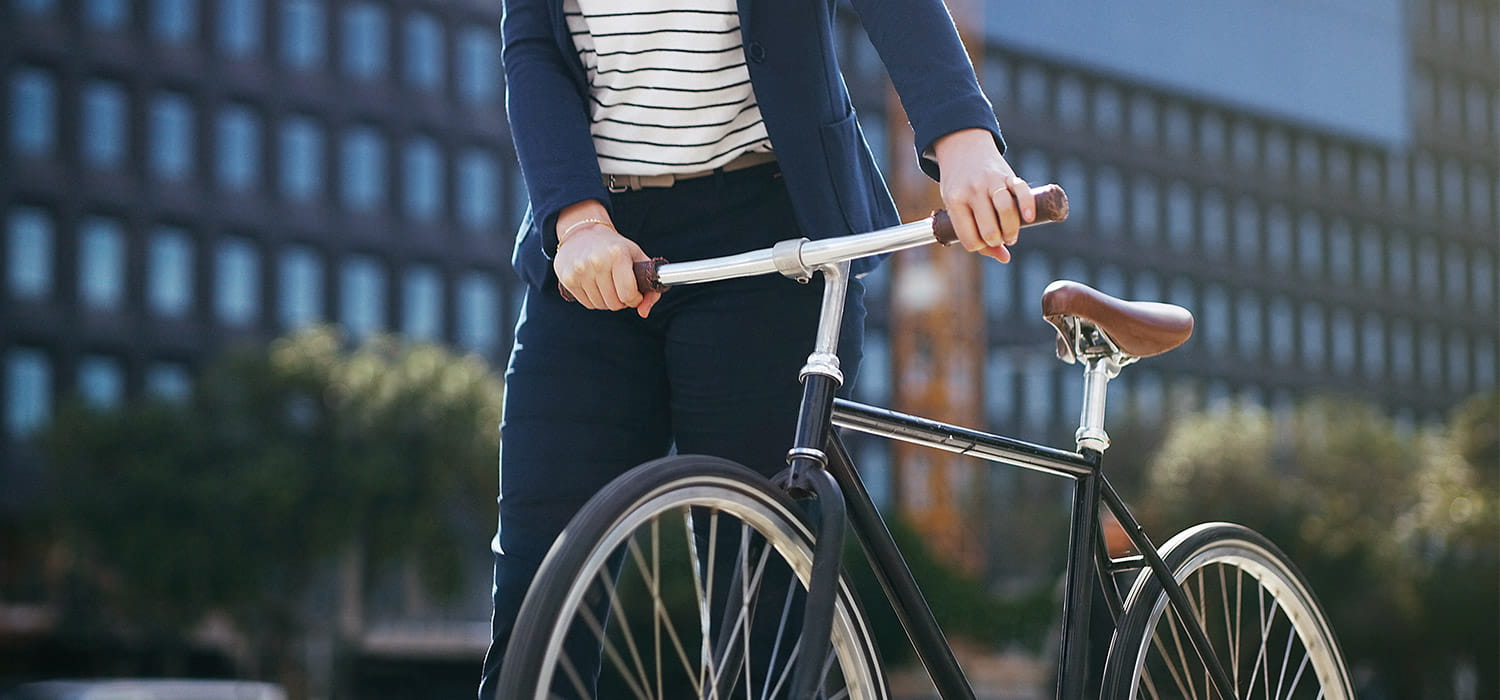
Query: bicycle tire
column 1285, row 649
column 579, row 578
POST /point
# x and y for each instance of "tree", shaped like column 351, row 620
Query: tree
column 1390, row 526
column 285, row 458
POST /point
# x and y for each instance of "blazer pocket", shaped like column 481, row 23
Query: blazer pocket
column 851, row 171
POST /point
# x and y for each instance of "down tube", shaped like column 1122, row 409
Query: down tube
column 896, row 579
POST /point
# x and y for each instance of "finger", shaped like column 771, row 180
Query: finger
column 1000, row 253
column 963, row 224
column 625, row 287
column 1024, row 199
column 1004, row 202
column 985, row 222
column 648, row 301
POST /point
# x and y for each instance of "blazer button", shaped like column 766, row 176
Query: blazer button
column 757, row 52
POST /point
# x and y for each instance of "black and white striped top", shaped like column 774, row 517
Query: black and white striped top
column 669, row 88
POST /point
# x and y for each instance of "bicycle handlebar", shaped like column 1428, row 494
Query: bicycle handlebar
column 798, row 257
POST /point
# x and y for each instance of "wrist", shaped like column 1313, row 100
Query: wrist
column 580, row 225
column 963, row 141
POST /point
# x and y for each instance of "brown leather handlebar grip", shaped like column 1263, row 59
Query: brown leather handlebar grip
column 646, row 279
column 1051, row 207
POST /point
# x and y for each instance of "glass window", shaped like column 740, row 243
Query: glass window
column 1216, row 318
column 1211, row 135
column 1310, row 245
column 1458, row 361
column 1247, row 322
column 362, row 296
column 478, row 65
column 1246, row 143
column 1183, row 293
column 1178, row 127
column 238, row 154
column 301, row 158
column 106, row 15
column 1180, row 215
column 1432, row 356
column 101, row 263
column 1145, row 286
column 1109, row 115
column 104, row 125
column 1341, row 251
column 29, row 252
column 362, row 176
column 999, row 290
column 1039, row 395
column 1312, row 336
column 1282, row 335
column 1372, row 345
column 1403, row 364
column 1399, row 264
column 1247, row 237
column 423, row 179
column 1455, row 281
column 422, row 303
column 1109, row 198
column 28, row 391
column 237, row 282
column 239, row 27
column 478, row 189
column 300, row 287
column 1368, row 174
column 1036, row 274
column 1034, row 87
column 169, row 272
column 1034, row 165
column 1277, row 153
column 303, row 31
column 365, row 42
column 1482, row 276
column 424, row 51
column 478, row 307
column 1345, row 342
column 1309, row 159
column 173, row 21
column 1480, row 188
column 101, row 381
column 1278, row 242
column 1213, row 229
column 1143, row 119
column 171, row 137
column 169, row 380
column 1484, row 363
column 1072, row 102
column 1371, row 257
column 33, row 110
column 1145, row 216
column 1429, row 272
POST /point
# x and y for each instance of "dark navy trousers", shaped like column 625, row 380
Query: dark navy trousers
column 590, row 394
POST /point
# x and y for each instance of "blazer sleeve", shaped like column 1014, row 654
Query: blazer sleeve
column 925, row 57
column 548, row 116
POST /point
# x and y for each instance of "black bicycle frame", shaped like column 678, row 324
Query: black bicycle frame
column 1087, row 560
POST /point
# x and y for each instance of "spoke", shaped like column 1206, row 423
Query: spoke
column 618, row 608
column 1231, row 628
column 1167, row 656
column 1286, row 657
column 699, row 588
column 705, row 623
column 573, row 677
column 1202, row 619
column 1150, row 686
column 610, row 649
column 1175, row 624
column 786, row 671
column 1297, row 679
column 786, row 611
column 656, row 628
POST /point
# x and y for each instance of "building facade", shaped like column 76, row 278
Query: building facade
column 181, row 175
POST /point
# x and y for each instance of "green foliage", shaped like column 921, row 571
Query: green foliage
column 1396, row 531
column 284, row 457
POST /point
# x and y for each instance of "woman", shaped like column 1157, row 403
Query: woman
column 688, row 129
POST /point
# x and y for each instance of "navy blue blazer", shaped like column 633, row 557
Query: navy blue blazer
column 792, row 57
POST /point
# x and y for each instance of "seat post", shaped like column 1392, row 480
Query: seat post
column 1098, row 369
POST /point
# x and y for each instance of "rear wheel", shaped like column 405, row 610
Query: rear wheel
column 1261, row 619
column 682, row 579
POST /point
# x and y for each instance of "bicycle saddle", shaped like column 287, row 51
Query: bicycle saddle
column 1137, row 328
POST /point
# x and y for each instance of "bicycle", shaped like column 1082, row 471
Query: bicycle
column 691, row 576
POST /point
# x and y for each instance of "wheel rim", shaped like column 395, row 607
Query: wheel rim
column 1272, row 640
column 656, row 539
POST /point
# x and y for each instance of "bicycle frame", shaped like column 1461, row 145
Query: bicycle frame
column 819, row 462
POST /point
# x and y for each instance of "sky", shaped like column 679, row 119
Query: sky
column 1337, row 64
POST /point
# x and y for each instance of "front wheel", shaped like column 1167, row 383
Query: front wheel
column 1261, row 619
column 683, row 578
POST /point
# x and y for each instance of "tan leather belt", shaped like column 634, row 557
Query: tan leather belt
column 623, row 183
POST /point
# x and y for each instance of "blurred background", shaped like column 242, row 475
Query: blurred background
column 256, row 299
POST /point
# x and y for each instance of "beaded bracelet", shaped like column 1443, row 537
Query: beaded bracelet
column 573, row 226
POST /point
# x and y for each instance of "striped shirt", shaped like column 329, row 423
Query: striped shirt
column 668, row 86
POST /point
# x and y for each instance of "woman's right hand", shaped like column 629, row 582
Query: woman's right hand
column 593, row 262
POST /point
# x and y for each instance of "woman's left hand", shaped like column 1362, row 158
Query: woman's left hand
column 985, row 199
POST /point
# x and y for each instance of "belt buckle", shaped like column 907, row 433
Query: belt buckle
column 615, row 188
